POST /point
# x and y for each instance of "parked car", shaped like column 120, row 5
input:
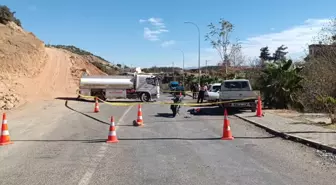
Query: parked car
column 212, row 94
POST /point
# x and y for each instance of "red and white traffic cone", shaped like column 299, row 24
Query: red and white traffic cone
column 227, row 135
column 96, row 108
column 139, row 118
column 4, row 135
column 259, row 108
column 112, row 137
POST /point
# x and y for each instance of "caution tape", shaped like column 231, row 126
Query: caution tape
column 175, row 91
column 166, row 103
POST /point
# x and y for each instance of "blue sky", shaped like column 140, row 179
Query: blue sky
column 149, row 32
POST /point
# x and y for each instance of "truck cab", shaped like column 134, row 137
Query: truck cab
column 147, row 87
column 173, row 85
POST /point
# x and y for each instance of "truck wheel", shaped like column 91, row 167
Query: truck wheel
column 253, row 109
column 145, row 97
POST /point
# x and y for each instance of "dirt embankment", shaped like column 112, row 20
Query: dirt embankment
column 29, row 71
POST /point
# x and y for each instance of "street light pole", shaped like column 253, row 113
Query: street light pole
column 173, row 72
column 199, row 50
column 182, row 66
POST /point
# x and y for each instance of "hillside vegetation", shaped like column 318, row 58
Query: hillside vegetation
column 98, row 61
column 6, row 16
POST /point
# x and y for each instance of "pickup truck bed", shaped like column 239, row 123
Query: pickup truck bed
column 240, row 97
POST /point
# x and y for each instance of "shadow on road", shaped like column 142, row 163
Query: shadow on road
column 100, row 121
column 62, row 140
column 73, row 99
column 179, row 119
column 200, row 139
column 200, row 105
column 164, row 115
column 318, row 132
column 211, row 111
column 87, row 100
column 135, row 139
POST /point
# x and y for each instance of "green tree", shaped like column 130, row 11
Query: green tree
column 279, row 81
column 219, row 37
column 280, row 53
column 265, row 54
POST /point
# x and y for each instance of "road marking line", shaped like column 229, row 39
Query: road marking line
column 85, row 180
column 122, row 117
column 94, row 163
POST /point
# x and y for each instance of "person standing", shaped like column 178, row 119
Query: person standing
column 201, row 93
column 192, row 88
column 196, row 89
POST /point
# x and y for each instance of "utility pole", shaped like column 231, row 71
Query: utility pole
column 173, row 73
column 199, row 49
column 182, row 66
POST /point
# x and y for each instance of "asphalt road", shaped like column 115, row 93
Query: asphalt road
column 56, row 143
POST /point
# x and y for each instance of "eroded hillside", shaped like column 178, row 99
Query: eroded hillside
column 29, row 71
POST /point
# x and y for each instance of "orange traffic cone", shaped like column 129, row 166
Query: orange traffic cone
column 4, row 138
column 139, row 119
column 112, row 137
column 227, row 135
column 259, row 108
column 96, row 108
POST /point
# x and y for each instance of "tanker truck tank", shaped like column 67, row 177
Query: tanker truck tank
column 113, row 82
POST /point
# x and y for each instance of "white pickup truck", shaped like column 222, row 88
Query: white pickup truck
column 240, row 93
column 212, row 94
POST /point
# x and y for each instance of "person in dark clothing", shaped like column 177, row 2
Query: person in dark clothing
column 192, row 88
column 201, row 94
column 196, row 88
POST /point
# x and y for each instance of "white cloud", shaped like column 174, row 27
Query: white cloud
column 142, row 21
column 157, row 22
column 295, row 38
column 157, row 28
column 150, row 34
column 168, row 43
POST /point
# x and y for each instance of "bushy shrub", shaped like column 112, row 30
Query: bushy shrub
column 319, row 84
column 279, row 81
column 6, row 15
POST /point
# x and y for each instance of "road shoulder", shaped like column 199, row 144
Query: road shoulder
column 318, row 137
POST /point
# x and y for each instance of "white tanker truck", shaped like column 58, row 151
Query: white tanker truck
column 140, row 86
